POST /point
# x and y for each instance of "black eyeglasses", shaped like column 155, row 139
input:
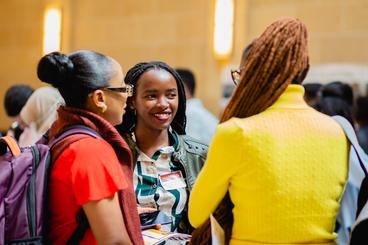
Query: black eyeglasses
column 235, row 75
column 123, row 89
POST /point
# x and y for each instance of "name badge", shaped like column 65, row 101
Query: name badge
column 172, row 181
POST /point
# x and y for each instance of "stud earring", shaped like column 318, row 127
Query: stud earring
column 104, row 108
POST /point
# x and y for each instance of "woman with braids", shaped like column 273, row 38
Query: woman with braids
column 91, row 177
column 166, row 161
column 283, row 164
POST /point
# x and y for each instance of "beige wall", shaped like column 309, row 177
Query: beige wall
column 176, row 31
column 338, row 29
column 20, row 38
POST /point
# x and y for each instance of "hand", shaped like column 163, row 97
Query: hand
column 142, row 210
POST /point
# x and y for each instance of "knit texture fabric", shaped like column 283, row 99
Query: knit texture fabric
column 285, row 169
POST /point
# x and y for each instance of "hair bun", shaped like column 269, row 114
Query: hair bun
column 55, row 68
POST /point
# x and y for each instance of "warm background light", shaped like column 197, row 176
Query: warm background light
column 180, row 33
column 52, row 30
column 224, row 26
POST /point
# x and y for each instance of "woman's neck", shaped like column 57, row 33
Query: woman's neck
column 149, row 141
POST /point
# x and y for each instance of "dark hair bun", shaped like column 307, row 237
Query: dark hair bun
column 55, row 68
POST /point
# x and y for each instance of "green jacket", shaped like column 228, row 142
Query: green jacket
column 190, row 154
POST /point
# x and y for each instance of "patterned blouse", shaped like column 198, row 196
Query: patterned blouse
column 159, row 183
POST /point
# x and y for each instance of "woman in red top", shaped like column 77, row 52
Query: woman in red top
column 92, row 174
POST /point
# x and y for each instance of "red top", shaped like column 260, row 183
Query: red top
column 87, row 170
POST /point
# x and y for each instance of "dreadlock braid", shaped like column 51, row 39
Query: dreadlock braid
column 132, row 77
column 277, row 58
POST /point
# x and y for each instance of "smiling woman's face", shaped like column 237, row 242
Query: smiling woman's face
column 156, row 99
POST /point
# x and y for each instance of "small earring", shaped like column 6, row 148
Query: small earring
column 104, row 108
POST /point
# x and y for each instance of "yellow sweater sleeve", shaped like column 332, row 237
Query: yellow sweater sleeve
column 213, row 180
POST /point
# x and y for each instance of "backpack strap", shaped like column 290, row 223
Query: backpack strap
column 11, row 143
column 68, row 136
column 359, row 228
column 73, row 130
column 81, row 229
column 350, row 135
column 64, row 139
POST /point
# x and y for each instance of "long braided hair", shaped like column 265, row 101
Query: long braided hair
column 270, row 63
column 276, row 59
column 132, row 77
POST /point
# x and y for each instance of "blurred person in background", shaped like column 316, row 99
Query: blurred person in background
column 15, row 98
column 361, row 115
column 38, row 114
column 311, row 93
column 336, row 98
column 201, row 124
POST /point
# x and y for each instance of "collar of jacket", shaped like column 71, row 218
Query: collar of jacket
column 188, row 150
column 194, row 152
column 179, row 153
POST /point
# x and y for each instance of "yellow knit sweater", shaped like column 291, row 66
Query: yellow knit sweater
column 285, row 169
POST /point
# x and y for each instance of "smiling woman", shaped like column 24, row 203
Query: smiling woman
column 166, row 160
